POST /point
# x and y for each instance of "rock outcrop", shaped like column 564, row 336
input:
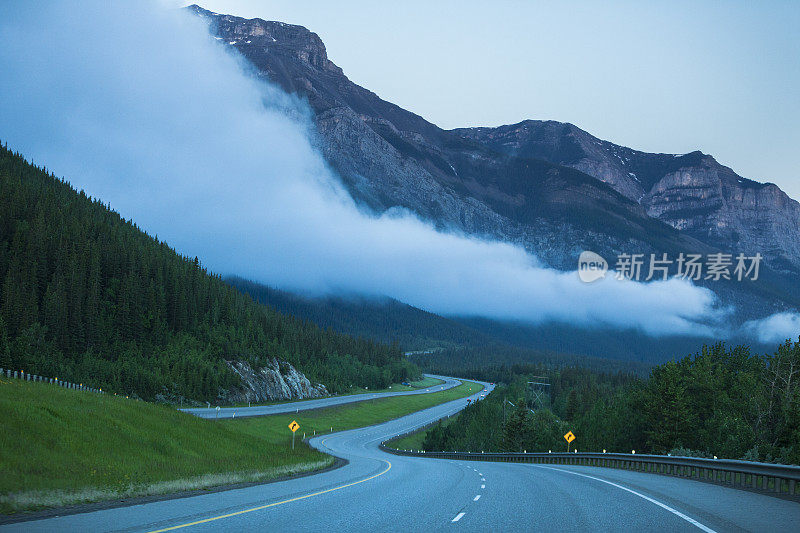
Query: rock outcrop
column 278, row 380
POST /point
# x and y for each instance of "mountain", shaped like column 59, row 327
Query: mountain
column 692, row 192
column 546, row 186
column 390, row 157
column 88, row 297
column 381, row 319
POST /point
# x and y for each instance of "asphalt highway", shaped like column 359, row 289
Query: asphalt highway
column 303, row 405
column 381, row 492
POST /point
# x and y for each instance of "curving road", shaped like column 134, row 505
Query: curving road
column 381, row 492
column 304, row 405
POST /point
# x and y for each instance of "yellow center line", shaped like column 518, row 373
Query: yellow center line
column 273, row 504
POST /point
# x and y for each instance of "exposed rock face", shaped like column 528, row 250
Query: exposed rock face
column 277, row 381
column 567, row 145
column 692, row 192
column 712, row 203
column 547, row 186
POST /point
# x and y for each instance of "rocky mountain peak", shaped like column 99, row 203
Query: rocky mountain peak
column 306, row 46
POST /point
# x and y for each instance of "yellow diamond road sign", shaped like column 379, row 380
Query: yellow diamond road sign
column 569, row 436
column 294, row 426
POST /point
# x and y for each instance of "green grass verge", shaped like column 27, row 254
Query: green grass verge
column 348, row 416
column 426, row 382
column 423, row 383
column 62, row 447
column 414, row 441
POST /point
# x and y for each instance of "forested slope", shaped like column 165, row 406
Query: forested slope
column 722, row 401
column 88, row 296
column 380, row 319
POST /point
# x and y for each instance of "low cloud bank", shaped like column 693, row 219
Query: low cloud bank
column 775, row 328
column 140, row 107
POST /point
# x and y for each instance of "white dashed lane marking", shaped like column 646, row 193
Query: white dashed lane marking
column 483, row 486
column 458, row 517
column 476, row 498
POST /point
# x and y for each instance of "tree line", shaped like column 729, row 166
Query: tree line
column 87, row 296
column 722, row 401
column 380, row 319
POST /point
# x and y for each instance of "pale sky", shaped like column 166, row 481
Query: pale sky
column 722, row 77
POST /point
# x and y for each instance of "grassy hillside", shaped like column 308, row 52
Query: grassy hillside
column 87, row 296
column 62, row 447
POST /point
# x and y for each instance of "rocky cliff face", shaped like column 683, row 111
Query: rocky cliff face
column 277, row 381
column 712, row 203
column 692, row 192
column 547, row 186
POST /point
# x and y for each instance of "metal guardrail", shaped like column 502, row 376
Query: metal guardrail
column 777, row 479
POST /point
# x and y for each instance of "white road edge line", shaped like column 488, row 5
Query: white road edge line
column 476, row 498
column 639, row 494
column 458, row 517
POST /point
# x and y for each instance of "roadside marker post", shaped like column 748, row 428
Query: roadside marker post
column 294, row 426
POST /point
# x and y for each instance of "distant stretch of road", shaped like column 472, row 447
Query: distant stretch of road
column 376, row 491
column 304, row 405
